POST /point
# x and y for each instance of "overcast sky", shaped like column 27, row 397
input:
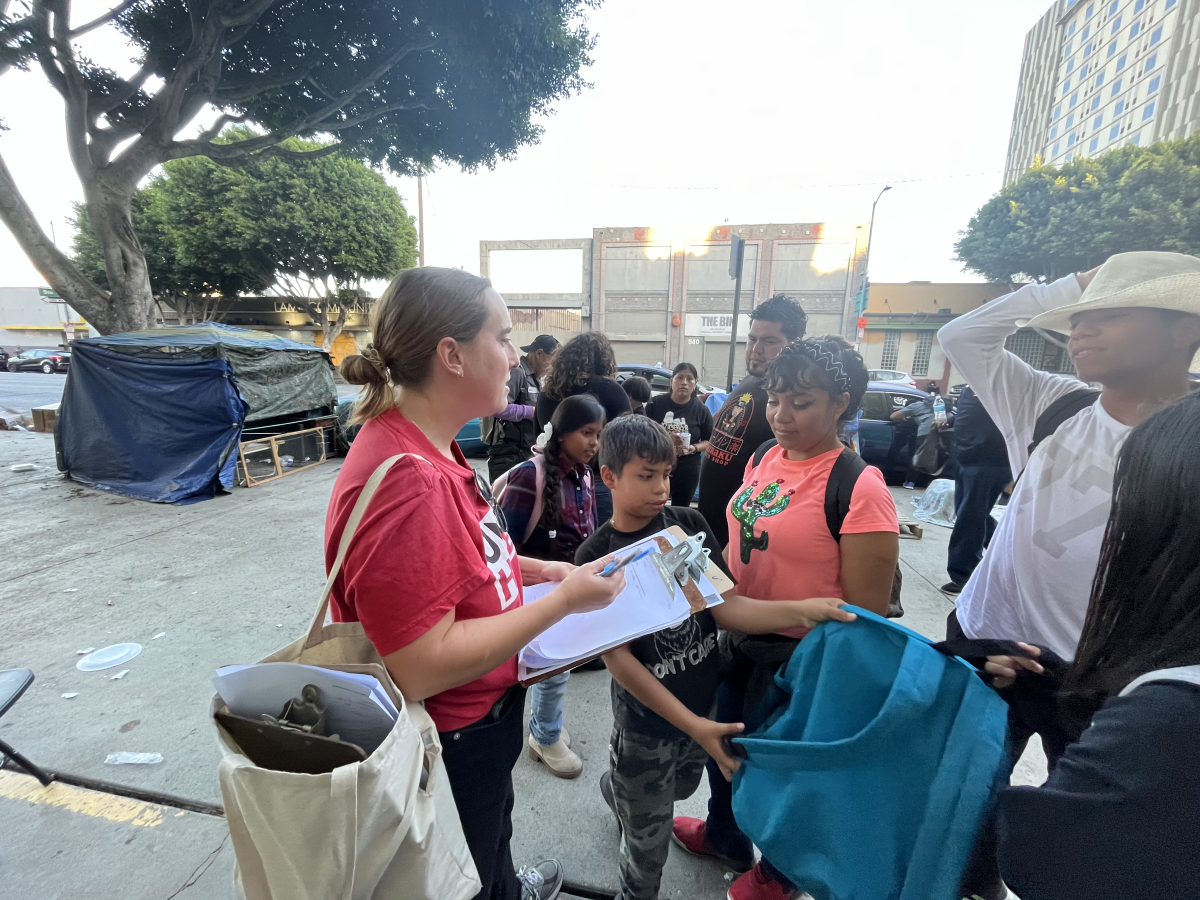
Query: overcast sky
column 702, row 112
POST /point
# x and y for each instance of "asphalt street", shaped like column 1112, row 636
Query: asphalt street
column 22, row 391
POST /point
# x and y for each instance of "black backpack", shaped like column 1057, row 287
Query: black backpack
column 1059, row 411
column 838, row 491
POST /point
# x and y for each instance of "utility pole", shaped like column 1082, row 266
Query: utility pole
column 859, row 306
column 737, row 253
column 421, row 218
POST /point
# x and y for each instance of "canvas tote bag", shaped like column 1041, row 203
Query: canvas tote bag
column 383, row 829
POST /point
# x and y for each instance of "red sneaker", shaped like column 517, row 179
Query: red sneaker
column 688, row 833
column 756, row 885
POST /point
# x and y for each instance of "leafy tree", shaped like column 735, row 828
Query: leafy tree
column 395, row 82
column 317, row 225
column 1053, row 221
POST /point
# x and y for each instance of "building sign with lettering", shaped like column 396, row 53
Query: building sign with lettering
column 714, row 325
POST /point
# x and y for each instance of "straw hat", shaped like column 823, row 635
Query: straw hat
column 1142, row 278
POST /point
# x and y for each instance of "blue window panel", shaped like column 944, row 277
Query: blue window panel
column 1070, row 156
column 1147, row 112
column 1066, row 86
column 1116, row 25
column 1113, row 132
column 1136, row 140
column 1134, row 30
column 1112, row 48
column 1054, row 132
column 1116, row 88
column 1087, row 51
column 1058, row 111
column 1112, row 7
column 1170, row 3
column 1154, row 84
column 1151, row 62
column 1083, row 72
column 1074, row 100
column 1070, row 66
column 1121, row 62
column 1071, row 120
column 1099, row 121
column 1100, row 79
column 1067, row 50
column 1120, row 108
column 1054, row 150
column 1095, row 103
column 1090, row 10
column 1071, row 30
column 1156, row 36
column 1086, row 32
column 1071, row 141
column 1093, row 145
column 1139, row 6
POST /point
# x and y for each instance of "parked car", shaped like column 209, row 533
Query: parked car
column 658, row 376
column 48, row 361
column 891, row 376
column 3, row 358
column 883, row 443
column 469, row 440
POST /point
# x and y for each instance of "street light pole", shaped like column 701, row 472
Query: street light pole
column 870, row 237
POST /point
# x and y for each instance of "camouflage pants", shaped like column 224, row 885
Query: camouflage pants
column 648, row 776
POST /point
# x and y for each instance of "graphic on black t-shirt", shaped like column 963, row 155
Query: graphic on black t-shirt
column 729, row 429
column 681, row 646
column 748, row 509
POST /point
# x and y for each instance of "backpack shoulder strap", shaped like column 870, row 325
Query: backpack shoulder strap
column 1059, row 411
column 1185, row 674
column 762, row 450
column 840, row 489
column 500, row 488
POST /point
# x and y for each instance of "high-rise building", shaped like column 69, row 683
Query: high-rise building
column 1099, row 74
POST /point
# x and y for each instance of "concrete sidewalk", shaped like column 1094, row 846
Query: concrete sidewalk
column 226, row 581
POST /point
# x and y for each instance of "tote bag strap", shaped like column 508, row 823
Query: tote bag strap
column 356, row 514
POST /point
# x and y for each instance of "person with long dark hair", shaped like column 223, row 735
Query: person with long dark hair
column 431, row 573
column 550, row 506
column 586, row 364
column 689, row 416
column 1119, row 815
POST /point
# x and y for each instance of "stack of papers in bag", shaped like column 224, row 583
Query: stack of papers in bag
column 644, row 607
column 357, row 708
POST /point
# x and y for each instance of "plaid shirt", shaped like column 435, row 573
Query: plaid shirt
column 577, row 513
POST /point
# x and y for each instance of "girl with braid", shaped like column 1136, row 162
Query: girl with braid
column 783, row 546
column 549, row 503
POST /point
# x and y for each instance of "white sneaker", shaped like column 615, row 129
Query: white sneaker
column 542, row 881
column 558, row 758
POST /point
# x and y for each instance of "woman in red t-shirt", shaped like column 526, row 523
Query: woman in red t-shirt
column 781, row 548
column 432, row 574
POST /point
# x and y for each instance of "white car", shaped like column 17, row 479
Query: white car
column 891, row 375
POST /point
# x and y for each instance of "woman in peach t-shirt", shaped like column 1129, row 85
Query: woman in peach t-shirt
column 780, row 548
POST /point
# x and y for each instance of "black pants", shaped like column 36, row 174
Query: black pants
column 976, row 490
column 1025, row 719
column 683, row 483
column 479, row 759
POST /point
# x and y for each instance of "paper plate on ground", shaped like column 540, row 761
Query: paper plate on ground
column 107, row 657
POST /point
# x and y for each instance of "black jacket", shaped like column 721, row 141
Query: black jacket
column 517, row 438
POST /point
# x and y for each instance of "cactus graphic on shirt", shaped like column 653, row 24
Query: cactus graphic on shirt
column 748, row 509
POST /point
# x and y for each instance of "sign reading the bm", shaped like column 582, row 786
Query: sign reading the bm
column 718, row 326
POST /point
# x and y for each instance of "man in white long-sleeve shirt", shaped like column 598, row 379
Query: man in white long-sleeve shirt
column 1134, row 325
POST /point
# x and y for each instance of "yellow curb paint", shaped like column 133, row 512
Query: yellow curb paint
column 79, row 800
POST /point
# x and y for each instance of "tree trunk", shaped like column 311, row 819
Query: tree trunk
column 129, row 306
column 332, row 332
column 130, row 301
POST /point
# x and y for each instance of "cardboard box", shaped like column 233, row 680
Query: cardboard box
column 44, row 417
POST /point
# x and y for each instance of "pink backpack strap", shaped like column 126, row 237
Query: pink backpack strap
column 500, row 486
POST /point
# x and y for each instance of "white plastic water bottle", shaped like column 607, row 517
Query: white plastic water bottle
column 939, row 409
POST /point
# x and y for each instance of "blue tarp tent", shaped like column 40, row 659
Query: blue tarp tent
column 157, row 415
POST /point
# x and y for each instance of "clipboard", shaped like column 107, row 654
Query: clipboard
column 272, row 747
column 722, row 582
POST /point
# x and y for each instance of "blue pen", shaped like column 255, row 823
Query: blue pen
column 618, row 564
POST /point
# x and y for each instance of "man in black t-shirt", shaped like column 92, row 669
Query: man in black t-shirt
column 740, row 426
